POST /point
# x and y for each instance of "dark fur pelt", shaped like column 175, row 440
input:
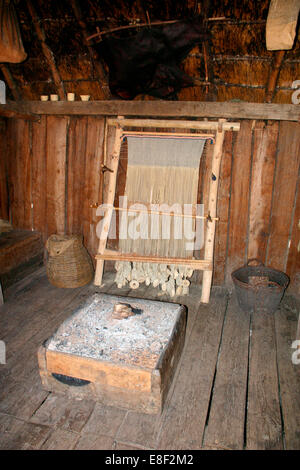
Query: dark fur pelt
column 148, row 62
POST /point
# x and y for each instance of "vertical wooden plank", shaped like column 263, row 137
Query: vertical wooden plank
column 293, row 262
column 56, row 144
column 19, row 171
column 76, row 169
column 263, row 167
column 3, row 171
column 223, row 210
column 264, row 429
column 238, row 224
column 93, row 187
column 38, row 191
column 286, row 177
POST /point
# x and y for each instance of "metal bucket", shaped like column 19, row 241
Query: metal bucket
column 264, row 296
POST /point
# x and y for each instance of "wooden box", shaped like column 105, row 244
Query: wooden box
column 128, row 362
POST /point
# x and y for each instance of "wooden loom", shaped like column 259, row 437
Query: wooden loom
column 206, row 264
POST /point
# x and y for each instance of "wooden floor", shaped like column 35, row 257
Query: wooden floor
column 235, row 387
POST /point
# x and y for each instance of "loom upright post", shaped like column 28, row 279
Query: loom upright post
column 212, row 211
column 110, row 201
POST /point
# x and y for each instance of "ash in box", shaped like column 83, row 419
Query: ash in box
column 137, row 340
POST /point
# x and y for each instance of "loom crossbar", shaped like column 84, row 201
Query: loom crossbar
column 196, row 264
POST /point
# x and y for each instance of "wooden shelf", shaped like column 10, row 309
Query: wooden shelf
column 157, row 108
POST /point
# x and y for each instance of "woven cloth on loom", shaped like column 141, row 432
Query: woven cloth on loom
column 161, row 170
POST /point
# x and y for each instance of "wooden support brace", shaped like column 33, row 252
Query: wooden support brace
column 93, row 53
column 273, row 75
column 47, row 51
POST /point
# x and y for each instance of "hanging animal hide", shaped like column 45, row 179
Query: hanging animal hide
column 160, row 171
column 11, row 46
column 148, row 62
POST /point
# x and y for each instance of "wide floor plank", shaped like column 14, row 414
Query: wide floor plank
column 289, row 374
column 225, row 427
column 264, row 427
column 184, row 421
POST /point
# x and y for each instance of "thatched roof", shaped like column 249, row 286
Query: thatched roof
column 235, row 60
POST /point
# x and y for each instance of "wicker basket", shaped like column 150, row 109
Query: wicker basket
column 69, row 264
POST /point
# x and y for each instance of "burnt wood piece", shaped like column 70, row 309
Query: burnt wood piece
column 284, row 112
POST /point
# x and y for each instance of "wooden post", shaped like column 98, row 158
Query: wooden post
column 212, row 210
column 110, row 201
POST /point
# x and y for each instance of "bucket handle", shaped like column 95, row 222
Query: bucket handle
column 254, row 262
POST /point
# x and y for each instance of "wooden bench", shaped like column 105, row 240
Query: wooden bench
column 21, row 252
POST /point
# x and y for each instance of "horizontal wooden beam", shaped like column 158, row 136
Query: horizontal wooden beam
column 161, row 108
column 197, row 125
column 197, row 264
column 6, row 111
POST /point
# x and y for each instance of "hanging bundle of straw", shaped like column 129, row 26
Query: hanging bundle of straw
column 69, row 264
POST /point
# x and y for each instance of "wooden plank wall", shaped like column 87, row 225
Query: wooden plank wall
column 51, row 174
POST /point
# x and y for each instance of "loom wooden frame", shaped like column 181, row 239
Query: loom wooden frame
column 206, row 264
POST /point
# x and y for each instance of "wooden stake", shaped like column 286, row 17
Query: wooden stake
column 110, row 200
column 212, row 210
column 274, row 74
column 10, row 81
column 47, row 51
